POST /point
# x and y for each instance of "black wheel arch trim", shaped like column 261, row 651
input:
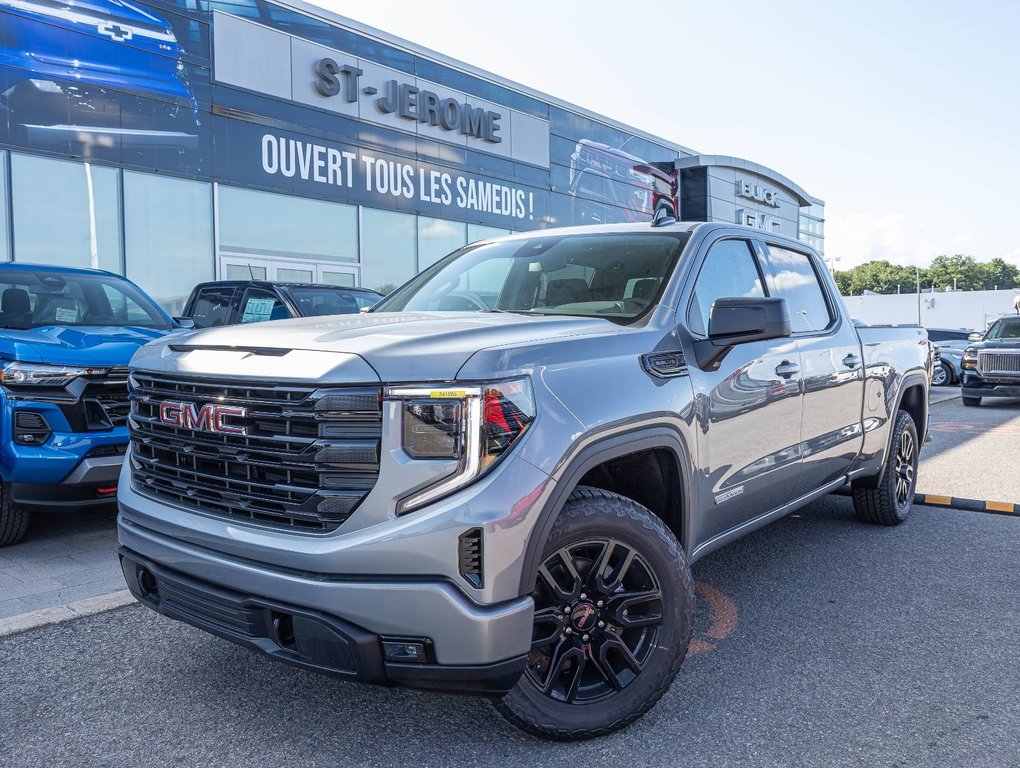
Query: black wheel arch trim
column 610, row 442
column 908, row 382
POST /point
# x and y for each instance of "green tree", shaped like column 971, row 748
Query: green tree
column 998, row 274
column 956, row 271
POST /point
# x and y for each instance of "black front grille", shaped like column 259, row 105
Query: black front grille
column 309, row 457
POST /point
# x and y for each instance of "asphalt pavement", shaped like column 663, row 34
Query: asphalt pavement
column 974, row 452
column 821, row 641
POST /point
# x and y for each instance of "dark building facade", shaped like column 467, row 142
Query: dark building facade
column 176, row 141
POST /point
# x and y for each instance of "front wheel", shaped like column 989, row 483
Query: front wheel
column 891, row 501
column 613, row 598
column 13, row 519
column 942, row 375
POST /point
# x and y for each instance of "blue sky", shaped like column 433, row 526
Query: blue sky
column 904, row 117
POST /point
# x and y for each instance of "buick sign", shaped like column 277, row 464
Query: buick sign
column 208, row 418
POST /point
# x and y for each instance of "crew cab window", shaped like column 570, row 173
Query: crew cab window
column 729, row 271
column 262, row 305
column 797, row 282
column 212, row 306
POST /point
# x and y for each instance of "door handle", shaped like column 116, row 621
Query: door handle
column 786, row 369
column 851, row 361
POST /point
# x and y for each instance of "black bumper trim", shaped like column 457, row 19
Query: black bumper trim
column 306, row 638
column 60, row 497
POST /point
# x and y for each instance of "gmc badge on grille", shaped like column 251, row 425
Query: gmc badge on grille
column 208, row 418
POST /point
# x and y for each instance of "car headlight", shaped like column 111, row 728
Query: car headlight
column 42, row 375
column 474, row 425
column 970, row 357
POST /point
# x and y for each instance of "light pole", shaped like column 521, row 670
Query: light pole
column 832, row 263
column 917, row 274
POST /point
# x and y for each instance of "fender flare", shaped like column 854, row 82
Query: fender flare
column 907, row 382
column 590, row 451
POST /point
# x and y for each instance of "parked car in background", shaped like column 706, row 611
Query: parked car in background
column 949, row 338
column 227, row 302
column 66, row 336
column 991, row 367
column 948, row 366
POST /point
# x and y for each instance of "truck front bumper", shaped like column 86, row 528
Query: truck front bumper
column 345, row 620
column 974, row 385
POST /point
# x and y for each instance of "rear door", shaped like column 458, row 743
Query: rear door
column 830, row 355
column 749, row 410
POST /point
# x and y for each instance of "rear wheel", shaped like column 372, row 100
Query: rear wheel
column 891, row 501
column 612, row 620
column 971, row 402
column 13, row 519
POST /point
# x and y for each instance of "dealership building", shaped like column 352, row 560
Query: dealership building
column 178, row 141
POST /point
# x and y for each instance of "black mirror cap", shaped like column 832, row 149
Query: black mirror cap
column 184, row 322
column 740, row 320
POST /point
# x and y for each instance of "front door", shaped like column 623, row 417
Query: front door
column 749, row 410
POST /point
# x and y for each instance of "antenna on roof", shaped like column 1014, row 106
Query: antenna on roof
column 665, row 213
column 251, row 271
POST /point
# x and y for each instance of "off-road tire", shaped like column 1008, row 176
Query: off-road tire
column 888, row 504
column 593, row 515
column 13, row 519
column 971, row 402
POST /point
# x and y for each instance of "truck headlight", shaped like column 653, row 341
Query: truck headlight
column 473, row 425
column 41, row 375
column 970, row 359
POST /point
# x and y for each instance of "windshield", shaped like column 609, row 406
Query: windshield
column 615, row 276
column 1004, row 329
column 313, row 301
column 31, row 299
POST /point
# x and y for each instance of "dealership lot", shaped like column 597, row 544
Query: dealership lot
column 821, row 641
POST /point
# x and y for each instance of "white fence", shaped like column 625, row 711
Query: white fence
column 973, row 310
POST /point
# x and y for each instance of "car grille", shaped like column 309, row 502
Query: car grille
column 309, row 458
column 992, row 363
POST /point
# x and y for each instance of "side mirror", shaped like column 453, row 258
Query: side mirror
column 975, row 336
column 184, row 322
column 740, row 320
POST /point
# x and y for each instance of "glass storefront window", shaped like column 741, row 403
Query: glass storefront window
column 66, row 213
column 168, row 236
column 282, row 225
column 437, row 238
column 388, row 245
column 5, row 235
column 478, row 232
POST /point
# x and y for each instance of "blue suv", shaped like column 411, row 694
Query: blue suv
column 66, row 336
column 94, row 73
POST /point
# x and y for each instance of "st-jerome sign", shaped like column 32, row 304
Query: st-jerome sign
column 408, row 101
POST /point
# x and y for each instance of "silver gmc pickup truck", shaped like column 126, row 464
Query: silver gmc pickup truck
column 496, row 481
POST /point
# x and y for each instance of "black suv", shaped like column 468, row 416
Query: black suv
column 226, row 302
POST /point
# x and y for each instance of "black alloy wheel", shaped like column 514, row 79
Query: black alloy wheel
column 905, row 464
column 613, row 596
column 598, row 611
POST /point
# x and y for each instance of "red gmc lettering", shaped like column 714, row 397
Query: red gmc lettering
column 208, row 418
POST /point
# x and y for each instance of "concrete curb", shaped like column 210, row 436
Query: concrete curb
column 60, row 613
column 972, row 505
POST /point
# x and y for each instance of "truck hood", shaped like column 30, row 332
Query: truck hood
column 80, row 345
column 400, row 346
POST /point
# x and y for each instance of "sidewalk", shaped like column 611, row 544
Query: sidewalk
column 65, row 557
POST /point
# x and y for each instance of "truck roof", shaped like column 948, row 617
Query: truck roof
column 21, row 265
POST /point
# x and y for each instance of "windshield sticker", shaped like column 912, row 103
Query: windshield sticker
column 257, row 310
column 65, row 315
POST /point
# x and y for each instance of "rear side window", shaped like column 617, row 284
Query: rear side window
column 796, row 281
column 729, row 271
column 262, row 305
column 212, row 307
